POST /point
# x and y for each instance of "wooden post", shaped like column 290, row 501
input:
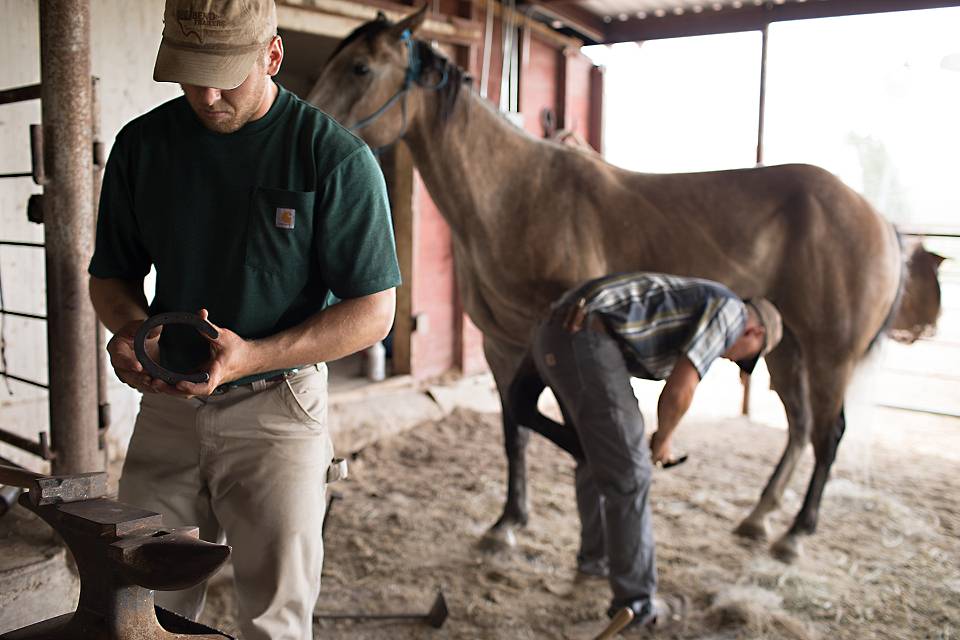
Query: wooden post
column 765, row 32
column 398, row 171
column 763, row 91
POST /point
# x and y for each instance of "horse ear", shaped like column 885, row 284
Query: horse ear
column 411, row 23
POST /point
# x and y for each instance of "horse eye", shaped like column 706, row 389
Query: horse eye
column 361, row 69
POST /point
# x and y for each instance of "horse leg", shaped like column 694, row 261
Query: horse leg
column 503, row 364
column 522, row 397
column 788, row 376
column 829, row 426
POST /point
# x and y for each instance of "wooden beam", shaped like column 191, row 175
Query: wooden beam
column 753, row 18
column 595, row 130
column 337, row 18
column 522, row 19
column 577, row 18
column 560, row 101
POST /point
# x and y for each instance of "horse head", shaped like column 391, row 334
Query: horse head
column 376, row 80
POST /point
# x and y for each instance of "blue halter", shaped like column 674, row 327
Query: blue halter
column 411, row 77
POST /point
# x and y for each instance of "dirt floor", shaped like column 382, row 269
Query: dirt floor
column 884, row 564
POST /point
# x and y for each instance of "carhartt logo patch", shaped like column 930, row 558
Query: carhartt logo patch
column 286, row 218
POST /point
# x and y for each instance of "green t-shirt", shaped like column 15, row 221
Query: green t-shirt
column 257, row 226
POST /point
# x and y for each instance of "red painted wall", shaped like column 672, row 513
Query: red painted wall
column 577, row 117
column 538, row 84
column 433, row 341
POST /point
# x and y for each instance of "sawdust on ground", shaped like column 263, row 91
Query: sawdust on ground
column 885, row 563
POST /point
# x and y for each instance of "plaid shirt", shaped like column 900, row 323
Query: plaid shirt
column 657, row 318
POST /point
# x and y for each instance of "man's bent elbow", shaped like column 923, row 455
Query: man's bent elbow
column 382, row 315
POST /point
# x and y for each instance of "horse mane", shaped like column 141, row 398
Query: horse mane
column 432, row 62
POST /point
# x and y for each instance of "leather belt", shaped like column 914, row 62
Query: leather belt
column 256, row 385
column 575, row 317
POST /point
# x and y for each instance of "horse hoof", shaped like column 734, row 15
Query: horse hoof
column 498, row 539
column 752, row 529
column 786, row 549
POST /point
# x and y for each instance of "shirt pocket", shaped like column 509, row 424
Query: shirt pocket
column 279, row 229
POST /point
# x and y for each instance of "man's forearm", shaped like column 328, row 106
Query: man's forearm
column 670, row 409
column 338, row 331
column 677, row 395
column 117, row 302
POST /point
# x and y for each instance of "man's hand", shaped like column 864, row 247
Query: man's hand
column 230, row 359
column 124, row 360
column 674, row 401
column 661, row 447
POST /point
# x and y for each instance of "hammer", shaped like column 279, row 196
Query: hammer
column 44, row 490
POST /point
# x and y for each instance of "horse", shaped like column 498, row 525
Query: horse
column 531, row 218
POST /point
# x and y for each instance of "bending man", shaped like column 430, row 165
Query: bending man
column 595, row 338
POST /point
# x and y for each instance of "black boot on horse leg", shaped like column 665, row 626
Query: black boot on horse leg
column 788, row 377
column 825, row 446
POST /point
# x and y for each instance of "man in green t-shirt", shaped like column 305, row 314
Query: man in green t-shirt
column 254, row 208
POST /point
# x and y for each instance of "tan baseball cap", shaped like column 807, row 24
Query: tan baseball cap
column 773, row 330
column 213, row 43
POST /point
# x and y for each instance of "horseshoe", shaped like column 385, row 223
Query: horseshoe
column 176, row 317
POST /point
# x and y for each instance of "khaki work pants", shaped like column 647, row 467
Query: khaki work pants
column 248, row 467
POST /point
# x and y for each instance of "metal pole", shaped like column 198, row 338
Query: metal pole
column 68, row 233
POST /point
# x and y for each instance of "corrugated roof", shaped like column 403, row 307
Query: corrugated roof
column 631, row 20
column 611, row 10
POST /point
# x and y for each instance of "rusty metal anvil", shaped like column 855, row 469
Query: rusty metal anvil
column 123, row 553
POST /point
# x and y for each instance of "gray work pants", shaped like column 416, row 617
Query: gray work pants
column 589, row 377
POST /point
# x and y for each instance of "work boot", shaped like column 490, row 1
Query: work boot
column 664, row 612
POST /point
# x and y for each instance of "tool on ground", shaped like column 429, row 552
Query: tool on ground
column 122, row 553
column 617, row 624
column 176, row 317
column 435, row 617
